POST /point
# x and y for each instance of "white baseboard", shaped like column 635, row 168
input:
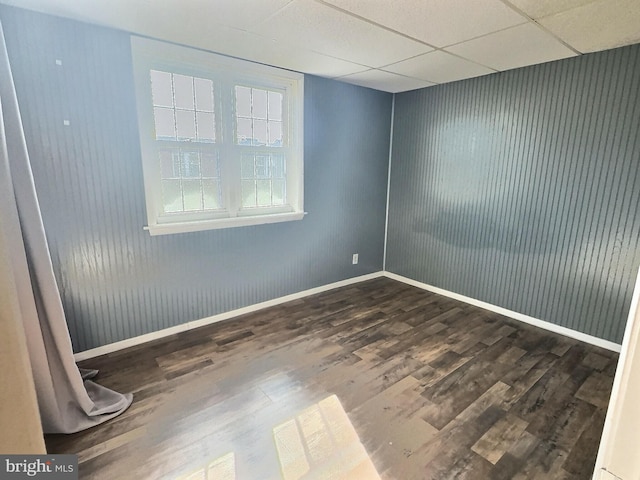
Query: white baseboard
column 552, row 327
column 606, row 475
column 130, row 342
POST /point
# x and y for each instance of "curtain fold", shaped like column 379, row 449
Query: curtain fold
column 68, row 402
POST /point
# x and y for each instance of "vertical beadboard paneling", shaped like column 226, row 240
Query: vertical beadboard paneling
column 115, row 279
column 522, row 189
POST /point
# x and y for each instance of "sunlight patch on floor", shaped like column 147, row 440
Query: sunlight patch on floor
column 222, row 468
column 321, row 443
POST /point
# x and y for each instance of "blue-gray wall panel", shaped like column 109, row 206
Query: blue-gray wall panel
column 118, row 282
column 522, row 189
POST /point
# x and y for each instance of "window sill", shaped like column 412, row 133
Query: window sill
column 198, row 226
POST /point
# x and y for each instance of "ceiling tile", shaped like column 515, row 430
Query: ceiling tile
column 512, row 48
column 385, row 81
column 116, row 13
column 179, row 25
column 249, row 46
column 234, row 13
column 175, row 22
column 304, row 61
column 328, row 31
column 155, row 15
column 438, row 67
column 598, row 26
column 437, row 22
column 543, row 8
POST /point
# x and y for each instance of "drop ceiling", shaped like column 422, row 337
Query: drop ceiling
column 390, row 45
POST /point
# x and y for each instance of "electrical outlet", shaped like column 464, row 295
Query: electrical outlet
column 355, row 259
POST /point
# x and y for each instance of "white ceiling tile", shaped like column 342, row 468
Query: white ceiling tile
column 159, row 15
column 234, row 13
column 437, row 22
column 326, row 30
column 180, row 25
column 306, row 61
column 242, row 14
column 438, row 67
column 117, row 14
column 598, row 26
column 543, row 8
column 516, row 47
column 249, row 46
column 385, row 81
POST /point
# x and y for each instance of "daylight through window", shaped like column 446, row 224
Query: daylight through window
column 221, row 139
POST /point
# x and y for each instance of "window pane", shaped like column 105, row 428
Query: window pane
column 264, row 182
column 259, row 132
column 169, row 164
column 183, row 91
column 246, row 166
column 192, row 193
column 262, row 166
column 161, row 88
column 278, row 192
column 275, row 134
column 206, row 126
column 186, row 125
column 264, row 108
column 275, row 106
column 211, row 194
column 171, row 196
column 204, row 94
column 165, row 125
column 277, row 166
column 248, row 193
column 190, row 165
column 259, row 103
column 183, row 188
column 244, row 133
column 263, row 190
column 243, row 101
column 209, row 166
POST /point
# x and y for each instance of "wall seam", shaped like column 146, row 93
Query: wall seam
column 386, row 220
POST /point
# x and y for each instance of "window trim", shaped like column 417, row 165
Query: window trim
column 225, row 71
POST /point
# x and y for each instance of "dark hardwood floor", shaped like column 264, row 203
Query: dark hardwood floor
column 375, row 380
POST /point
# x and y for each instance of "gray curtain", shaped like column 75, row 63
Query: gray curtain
column 68, row 400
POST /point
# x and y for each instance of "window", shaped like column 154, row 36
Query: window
column 221, row 139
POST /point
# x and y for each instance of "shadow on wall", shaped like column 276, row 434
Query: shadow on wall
column 476, row 227
column 590, row 270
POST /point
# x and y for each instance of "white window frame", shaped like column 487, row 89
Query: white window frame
column 226, row 72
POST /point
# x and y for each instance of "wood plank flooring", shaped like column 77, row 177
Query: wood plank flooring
column 378, row 380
